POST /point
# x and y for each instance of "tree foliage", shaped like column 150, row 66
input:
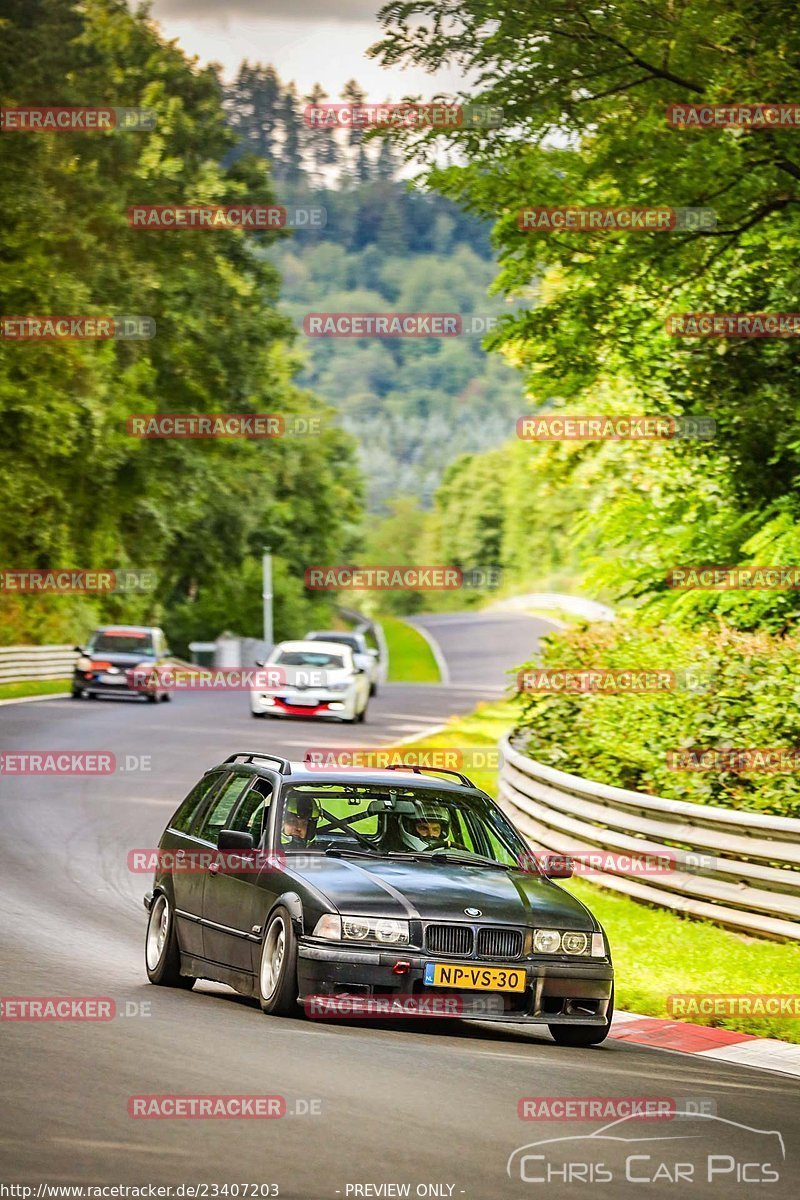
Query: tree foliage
column 78, row 491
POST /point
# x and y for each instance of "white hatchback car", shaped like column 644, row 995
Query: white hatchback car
column 319, row 679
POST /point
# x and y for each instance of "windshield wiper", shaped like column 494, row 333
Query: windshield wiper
column 445, row 856
column 348, row 851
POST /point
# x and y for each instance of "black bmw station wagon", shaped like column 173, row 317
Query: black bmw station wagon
column 289, row 883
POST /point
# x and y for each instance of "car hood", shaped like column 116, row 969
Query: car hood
column 442, row 891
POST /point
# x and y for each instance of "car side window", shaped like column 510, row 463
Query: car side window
column 251, row 815
column 217, row 816
column 182, row 820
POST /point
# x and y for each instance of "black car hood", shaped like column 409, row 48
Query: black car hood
column 442, row 891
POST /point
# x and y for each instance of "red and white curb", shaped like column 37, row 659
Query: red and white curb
column 769, row 1054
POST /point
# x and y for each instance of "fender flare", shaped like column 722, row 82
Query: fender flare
column 294, row 905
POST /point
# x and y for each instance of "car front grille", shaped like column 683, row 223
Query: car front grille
column 468, row 941
column 450, row 939
column 499, row 943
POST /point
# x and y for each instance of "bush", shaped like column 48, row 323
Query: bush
column 732, row 690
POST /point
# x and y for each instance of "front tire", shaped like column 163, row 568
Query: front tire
column 584, row 1035
column 162, row 956
column 277, row 972
column 77, row 693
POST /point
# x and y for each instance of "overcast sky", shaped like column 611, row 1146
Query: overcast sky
column 307, row 41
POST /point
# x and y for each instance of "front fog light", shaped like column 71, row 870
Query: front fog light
column 598, row 946
column 574, row 943
column 546, row 941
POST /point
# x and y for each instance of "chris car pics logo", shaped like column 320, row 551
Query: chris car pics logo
column 698, row 1148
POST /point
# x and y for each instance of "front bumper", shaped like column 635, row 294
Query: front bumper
column 289, row 703
column 557, row 992
column 122, row 685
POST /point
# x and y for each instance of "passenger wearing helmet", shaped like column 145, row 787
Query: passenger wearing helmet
column 301, row 814
column 428, row 830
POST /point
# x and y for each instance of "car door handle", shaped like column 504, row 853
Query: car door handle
column 180, row 856
column 213, row 868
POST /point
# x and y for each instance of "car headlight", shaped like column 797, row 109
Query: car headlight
column 574, row 943
column 389, row 931
column 338, row 687
column 546, row 941
column 83, row 663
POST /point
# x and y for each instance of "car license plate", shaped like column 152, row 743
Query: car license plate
column 113, row 679
column 309, row 700
column 477, row 979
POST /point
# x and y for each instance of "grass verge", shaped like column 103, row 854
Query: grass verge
column 410, row 657
column 33, row 687
column 657, row 953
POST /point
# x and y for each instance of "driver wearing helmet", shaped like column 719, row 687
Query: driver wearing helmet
column 301, row 814
column 428, row 830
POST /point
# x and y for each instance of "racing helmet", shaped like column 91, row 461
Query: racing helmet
column 429, row 828
column 304, row 808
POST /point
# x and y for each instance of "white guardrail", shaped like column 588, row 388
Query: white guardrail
column 741, row 869
column 19, row 664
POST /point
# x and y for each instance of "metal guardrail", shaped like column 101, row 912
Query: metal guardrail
column 741, row 869
column 21, row 664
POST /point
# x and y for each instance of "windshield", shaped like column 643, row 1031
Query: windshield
column 123, row 643
column 308, row 658
column 386, row 821
column 346, row 640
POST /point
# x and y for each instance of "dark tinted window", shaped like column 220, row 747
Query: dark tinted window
column 182, row 820
column 122, row 643
column 251, row 815
column 221, row 808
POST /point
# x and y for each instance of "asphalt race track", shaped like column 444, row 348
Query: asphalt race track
column 371, row 1107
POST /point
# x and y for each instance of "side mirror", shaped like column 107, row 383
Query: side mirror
column 259, row 662
column 234, row 839
column 375, row 653
column 556, row 866
column 167, row 652
column 79, row 649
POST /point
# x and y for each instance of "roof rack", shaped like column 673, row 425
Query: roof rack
column 463, row 779
column 249, row 755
